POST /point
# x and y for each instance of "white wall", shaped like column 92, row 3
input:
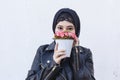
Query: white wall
column 24, row 22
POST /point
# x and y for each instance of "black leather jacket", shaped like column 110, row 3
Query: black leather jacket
column 78, row 67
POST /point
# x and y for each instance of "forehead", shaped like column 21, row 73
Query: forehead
column 65, row 23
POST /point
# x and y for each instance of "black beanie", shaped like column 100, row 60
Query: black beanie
column 70, row 15
column 66, row 17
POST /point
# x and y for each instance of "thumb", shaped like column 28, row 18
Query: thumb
column 56, row 47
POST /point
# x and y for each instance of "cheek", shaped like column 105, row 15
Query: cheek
column 73, row 31
column 57, row 30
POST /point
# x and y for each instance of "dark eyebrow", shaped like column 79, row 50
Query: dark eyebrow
column 70, row 26
column 60, row 26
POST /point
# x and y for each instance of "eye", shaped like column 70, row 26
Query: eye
column 60, row 27
column 70, row 28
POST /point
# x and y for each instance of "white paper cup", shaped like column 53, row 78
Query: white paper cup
column 65, row 44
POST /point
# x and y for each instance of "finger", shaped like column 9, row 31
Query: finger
column 56, row 47
column 57, row 57
column 61, row 57
column 76, row 42
column 58, row 53
column 76, row 39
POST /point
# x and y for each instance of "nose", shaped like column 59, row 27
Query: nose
column 64, row 30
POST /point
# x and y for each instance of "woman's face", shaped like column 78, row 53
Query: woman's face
column 65, row 26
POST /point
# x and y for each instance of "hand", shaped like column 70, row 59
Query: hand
column 76, row 42
column 58, row 54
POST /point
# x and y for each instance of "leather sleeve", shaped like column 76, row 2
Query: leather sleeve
column 83, row 67
column 88, row 69
column 38, row 72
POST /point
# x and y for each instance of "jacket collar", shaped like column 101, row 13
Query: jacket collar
column 51, row 46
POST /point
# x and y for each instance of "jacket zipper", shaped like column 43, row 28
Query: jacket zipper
column 50, row 72
column 63, row 76
column 77, row 58
column 42, row 66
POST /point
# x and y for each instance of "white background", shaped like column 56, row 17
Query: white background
column 27, row 24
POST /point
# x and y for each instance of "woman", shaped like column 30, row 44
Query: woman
column 52, row 64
